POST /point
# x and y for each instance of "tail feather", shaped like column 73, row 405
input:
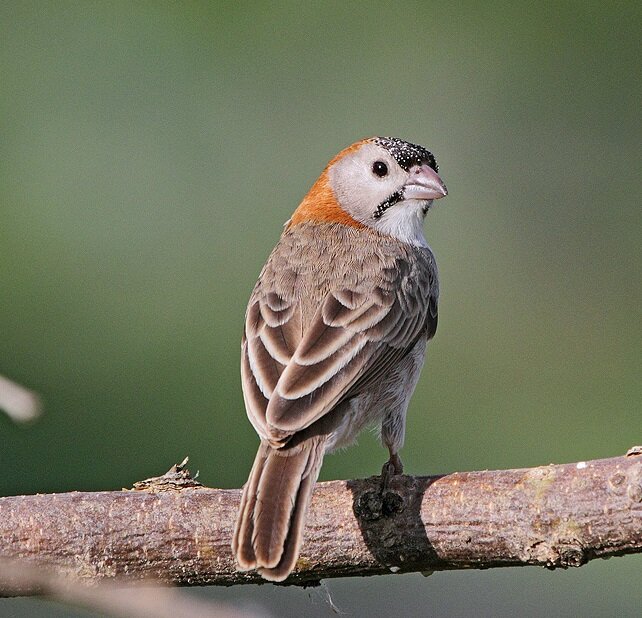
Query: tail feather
column 244, row 529
column 275, row 501
column 276, row 497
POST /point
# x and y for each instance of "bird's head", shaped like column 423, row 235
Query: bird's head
column 383, row 183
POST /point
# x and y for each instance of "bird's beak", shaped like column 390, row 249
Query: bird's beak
column 424, row 184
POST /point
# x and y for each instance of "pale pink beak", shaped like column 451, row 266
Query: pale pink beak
column 424, row 184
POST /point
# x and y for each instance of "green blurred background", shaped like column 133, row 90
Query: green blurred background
column 151, row 152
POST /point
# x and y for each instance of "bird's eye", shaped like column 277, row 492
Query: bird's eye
column 379, row 168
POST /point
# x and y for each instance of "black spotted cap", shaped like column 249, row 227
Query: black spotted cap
column 407, row 154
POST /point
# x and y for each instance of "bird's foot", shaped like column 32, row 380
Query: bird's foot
column 391, row 468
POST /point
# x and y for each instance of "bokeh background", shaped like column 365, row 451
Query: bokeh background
column 150, row 153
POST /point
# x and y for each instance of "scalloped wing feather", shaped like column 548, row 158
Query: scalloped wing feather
column 308, row 346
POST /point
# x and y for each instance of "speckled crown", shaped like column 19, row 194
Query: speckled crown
column 407, row 154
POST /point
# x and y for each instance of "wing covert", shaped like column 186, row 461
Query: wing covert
column 296, row 370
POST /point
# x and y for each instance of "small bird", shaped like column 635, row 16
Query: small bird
column 335, row 335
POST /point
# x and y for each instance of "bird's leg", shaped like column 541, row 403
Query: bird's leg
column 392, row 431
column 391, row 468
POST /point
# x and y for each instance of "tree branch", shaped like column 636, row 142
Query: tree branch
column 110, row 597
column 174, row 530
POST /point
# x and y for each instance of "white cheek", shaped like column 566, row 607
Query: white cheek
column 404, row 221
column 359, row 190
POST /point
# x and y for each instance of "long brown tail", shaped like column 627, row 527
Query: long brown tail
column 275, row 500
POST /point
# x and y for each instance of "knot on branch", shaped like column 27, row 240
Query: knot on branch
column 627, row 482
column 176, row 478
column 373, row 505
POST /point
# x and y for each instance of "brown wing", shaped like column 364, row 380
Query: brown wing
column 293, row 373
column 272, row 333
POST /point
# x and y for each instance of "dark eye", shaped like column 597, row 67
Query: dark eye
column 379, row 168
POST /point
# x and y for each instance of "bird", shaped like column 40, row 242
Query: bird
column 335, row 335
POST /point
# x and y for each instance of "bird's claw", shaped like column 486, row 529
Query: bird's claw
column 391, row 468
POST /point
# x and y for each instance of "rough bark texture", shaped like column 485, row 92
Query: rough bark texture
column 174, row 530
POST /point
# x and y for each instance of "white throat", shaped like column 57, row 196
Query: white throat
column 404, row 221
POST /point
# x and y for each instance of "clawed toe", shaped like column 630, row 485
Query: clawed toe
column 391, row 468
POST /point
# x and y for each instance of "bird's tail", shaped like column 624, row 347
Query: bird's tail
column 275, row 500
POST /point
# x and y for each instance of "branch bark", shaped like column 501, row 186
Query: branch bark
column 173, row 530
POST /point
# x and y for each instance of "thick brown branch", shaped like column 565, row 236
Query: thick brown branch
column 553, row 516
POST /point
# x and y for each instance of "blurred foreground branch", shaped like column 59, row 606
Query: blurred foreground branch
column 109, row 597
column 18, row 402
column 174, row 530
